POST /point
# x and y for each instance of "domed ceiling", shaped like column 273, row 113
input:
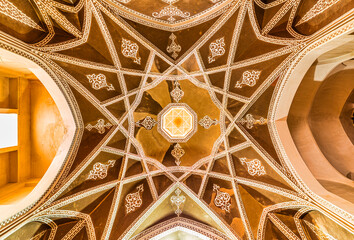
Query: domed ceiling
column 174, row 102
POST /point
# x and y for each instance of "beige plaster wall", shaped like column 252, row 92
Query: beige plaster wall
column 47, row 129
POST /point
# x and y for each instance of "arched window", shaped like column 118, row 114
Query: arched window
column 36, row 131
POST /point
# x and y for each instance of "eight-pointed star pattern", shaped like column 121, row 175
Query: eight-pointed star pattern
column 79, row 38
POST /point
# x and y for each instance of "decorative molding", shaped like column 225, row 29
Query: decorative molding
column 318, row 8
column 130, row 50
column 133, row 200
column 178, row 200
column 254, row 167
column 147, row 122
column 174, row 47
column 249, row 78
column 249, row 120
column 177, row 153
column 180, row 222
column 100, row 126
column 216, row 49
column 206, row 122
column 9, row 9
column 222, row 199
column 100, row 170
column 171, row 12
column 177, row 93
column 99, row 81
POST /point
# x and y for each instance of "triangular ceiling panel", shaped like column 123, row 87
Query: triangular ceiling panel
column 191, row 64
column 117, row 109
column 194, row 182
column 137, row 54
column 61, row 36
column 233, row 106
column 162, row 183
column 280, row 28
column 243, row 162
column 64, row 226
column 102, row 84
column 94, row 50
column 92, row 177
column 223, row 36
column 84, row 202
column 221, row 166
column 217, row 79
column 245, row 81
column 118, row 141
column 134, row 167
column 99, row 211
column 228, row 210
column 96, row 127
column 235, row 137
column 161, row 38
column 250, row 46
column 128, row 210
column 159, row 65
column 271, row 232
column 258, row 130
column 190, row 209
column 132, row 82
column 263, row 16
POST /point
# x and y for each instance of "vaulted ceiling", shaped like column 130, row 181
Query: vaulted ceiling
column 124, row 64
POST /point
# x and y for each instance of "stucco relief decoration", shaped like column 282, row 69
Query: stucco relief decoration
column 206, row 122
column 171, row 12
column 9, row 9
column 318, row 8
column 148, row 123
column 173, row 48
column 98, row 81
column 249, row 120
column 133, row 200
column 177, row 93
column 249, row 78
column 254, row 167
column 216, row 49
column 131, row 50
column 177, row 152
column 178, row 200
column 100, row 170
column 222, row 199
column 100, row 126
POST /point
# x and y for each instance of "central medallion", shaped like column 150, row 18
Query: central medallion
column 177, row 122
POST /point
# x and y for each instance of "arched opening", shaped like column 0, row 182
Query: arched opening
column 180, row 229
column 38, row 119
column 310, row 124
